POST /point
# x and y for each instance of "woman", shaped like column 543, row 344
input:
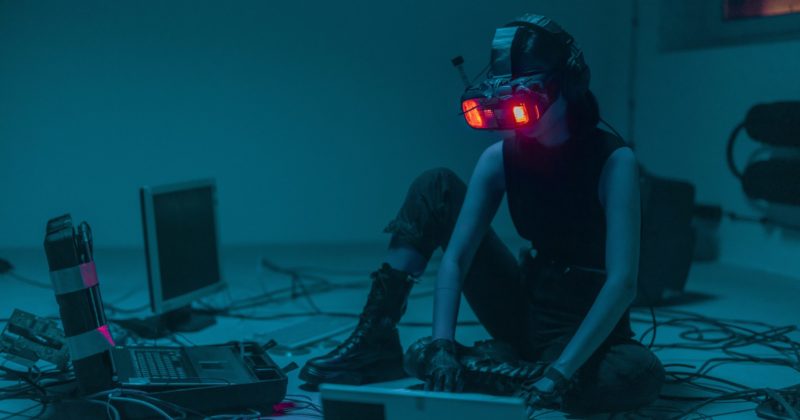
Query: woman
column 572, row 190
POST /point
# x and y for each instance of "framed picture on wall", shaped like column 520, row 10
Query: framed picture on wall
column 742, row 9
column 689, row 24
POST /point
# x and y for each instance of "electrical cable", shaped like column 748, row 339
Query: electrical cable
column 254, row 415
column 782, row 401
column 611, row 127
column 150, row 406
column 654, row 328
column 704, row 333
column 110, row 409
column 729, row 151
column 138, row 396
column 183, row 412
column 7, row 269
column 12, row 415
column 28, row 281
column 700, row 332
column 744, row 394
column 298, row 277
column 763, row 220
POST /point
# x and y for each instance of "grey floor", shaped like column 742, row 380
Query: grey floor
column 723, row 291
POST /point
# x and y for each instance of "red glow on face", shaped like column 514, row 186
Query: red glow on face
column 520, row 114
column 472, row 113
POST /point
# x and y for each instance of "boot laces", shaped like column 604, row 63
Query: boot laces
column 370, row 314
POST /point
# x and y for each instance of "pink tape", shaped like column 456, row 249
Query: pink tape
column 103, row 329
column 89, row 274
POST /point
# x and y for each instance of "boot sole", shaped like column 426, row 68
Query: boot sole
column 376, row 372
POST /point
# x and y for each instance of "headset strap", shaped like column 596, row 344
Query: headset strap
column 501, row 51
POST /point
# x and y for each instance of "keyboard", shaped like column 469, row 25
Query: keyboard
column 159, row 364
column 310, row 331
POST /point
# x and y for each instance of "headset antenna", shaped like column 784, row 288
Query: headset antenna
column 458, row 62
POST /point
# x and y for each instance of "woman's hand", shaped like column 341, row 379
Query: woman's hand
column 442, row 368
column 546, row 392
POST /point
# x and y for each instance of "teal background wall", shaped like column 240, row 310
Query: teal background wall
column 689, row 101
column 313, row 116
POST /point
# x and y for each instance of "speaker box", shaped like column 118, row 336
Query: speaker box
column 667, row 238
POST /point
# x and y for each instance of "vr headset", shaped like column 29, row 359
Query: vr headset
column 506, row 104
column 506, row 101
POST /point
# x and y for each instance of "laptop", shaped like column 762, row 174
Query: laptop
column 160, row 368
column 209, row 379
column 344, row 402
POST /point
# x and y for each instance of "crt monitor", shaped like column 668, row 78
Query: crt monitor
column 182, row 251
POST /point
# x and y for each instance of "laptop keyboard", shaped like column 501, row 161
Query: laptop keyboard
column 159, row 364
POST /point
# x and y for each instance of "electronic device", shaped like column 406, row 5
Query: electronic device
column 294, row 337
column 208, row 379
column 215, row 379
column 505, row 100
column 342, row 402
column 74, row 279
column 28, row 338
column 181, row 238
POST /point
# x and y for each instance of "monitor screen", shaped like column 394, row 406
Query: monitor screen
column 186, row 240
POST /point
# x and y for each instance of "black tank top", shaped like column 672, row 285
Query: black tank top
column 553, row 195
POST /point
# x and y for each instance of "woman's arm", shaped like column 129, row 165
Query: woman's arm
column 619, row 194
column 484, row 193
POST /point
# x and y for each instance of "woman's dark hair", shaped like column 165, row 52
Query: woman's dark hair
column 583, row 113
column 538, row 48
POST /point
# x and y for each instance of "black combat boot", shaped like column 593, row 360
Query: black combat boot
column 372, row 353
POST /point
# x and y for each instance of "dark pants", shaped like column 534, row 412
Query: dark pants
column 535, row 304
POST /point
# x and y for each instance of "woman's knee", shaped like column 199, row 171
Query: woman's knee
column 438, row 180
column 636, row 371
column 640, row 370
column 626, row 377
column 426, row 219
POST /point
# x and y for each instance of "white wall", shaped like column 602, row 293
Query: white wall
column 688, row 103
column 313, row 116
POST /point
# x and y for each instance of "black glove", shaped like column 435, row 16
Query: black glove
column 442, row 369
column 536, row 398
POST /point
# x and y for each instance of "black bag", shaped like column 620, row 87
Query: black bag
column 667, row 238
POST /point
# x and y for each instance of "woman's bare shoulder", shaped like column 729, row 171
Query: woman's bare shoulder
column 490, row 165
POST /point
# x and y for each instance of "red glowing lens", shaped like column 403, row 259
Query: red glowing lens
column 472, row 113
column 520, row 114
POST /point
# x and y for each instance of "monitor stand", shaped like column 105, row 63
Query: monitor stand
column 183, row 319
